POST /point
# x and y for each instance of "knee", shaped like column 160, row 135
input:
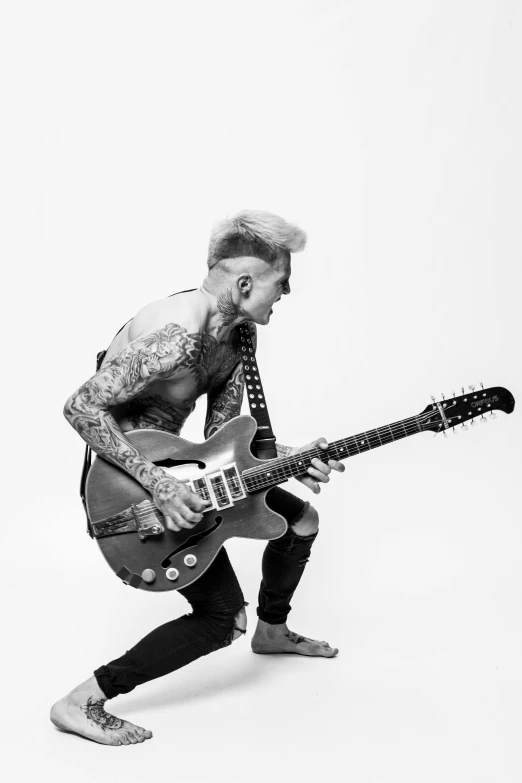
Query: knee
column 308, row 525
column 240, row 625
column 224, row 628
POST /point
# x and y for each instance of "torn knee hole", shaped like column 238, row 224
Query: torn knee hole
column 240, row 624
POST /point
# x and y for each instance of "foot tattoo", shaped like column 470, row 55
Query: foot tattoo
column 96, row 714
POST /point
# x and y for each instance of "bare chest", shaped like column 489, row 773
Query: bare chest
column 168, row 402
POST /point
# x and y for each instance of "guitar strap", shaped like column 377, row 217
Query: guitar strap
column 264, row 440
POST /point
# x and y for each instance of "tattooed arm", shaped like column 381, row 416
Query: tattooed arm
column 150, row 358
column 224, row 401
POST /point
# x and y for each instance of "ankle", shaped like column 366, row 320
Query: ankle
column 271, row 630
column 88, row 688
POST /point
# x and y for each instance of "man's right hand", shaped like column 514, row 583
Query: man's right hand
column 181, row 507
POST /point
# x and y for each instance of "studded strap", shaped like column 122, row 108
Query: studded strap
column 265, row 439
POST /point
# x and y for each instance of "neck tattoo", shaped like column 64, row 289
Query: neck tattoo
column 228, row 309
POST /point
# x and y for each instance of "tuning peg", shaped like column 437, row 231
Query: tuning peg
column 472, row 388
column 445, row 433
column 443, row 397
column 483, row 420
column 464, row 428
column 455, row 431
column 453, row 392
column 433, row 399
column 481, row 385
column 473, row 423
column 463, row 390
column 492, row 415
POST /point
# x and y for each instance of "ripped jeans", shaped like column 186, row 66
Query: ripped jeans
column 216, row 600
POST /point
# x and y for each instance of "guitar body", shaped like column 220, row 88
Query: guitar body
column 110, row 491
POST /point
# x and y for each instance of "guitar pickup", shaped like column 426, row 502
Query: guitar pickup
column 222, row 488
column 219, row 489
column 233, row 482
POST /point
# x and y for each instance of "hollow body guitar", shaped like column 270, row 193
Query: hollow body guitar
column 145, row 554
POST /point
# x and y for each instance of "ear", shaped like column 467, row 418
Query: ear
column 244, row 284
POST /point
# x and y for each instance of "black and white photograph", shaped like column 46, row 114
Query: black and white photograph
column 246, row 245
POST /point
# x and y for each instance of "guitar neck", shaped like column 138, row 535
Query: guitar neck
column 276, row 471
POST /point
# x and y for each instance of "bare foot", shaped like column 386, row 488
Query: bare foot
column 82, row 712
column 272, row 639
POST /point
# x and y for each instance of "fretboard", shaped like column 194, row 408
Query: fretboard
column 276, row 471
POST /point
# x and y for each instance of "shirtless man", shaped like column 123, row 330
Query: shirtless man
column 171, row 353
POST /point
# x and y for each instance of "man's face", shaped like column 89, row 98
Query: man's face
column 267, row 289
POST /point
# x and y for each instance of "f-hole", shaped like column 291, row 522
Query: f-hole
column 195, row 539
column 171, row 463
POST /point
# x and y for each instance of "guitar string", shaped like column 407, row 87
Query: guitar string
column 256, row 477
column 396, row 428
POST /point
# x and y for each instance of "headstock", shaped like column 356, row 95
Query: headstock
column 478, row 406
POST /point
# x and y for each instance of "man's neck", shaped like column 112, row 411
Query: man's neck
column 224, row 310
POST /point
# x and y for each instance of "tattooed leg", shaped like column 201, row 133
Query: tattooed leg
column 82, row 712
column 272, row 639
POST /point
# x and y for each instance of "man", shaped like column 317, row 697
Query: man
column 171, row 353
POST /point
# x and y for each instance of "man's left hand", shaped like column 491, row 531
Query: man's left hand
column 319, row 471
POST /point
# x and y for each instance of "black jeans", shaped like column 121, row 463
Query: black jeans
column 216, row 599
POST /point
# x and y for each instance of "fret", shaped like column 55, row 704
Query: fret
column 278, row 470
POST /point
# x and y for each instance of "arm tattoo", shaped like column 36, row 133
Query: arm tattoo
column 224, row 402
column 97, row 715
column 229, row 310
column 157, row 356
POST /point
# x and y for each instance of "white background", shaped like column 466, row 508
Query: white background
column 391, row 133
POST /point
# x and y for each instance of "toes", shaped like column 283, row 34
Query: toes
column 332, row 652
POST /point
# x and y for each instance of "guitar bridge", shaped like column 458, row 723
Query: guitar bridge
column 147, row 523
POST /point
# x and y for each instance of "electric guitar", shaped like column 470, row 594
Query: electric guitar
column 145, row 554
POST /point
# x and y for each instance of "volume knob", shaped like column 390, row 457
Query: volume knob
column 148, row 575
column 190, row 560
column 172, row 574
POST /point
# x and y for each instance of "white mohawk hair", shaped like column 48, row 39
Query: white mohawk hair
column 255, row 233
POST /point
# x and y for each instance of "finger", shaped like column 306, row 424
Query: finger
column 318, row 475
column 178, row 520
column 335, row 465
column 196, row 503
column 310, row 483
column 171, row 524
column 322, row 466
column 321, row 442
column 189, row 516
